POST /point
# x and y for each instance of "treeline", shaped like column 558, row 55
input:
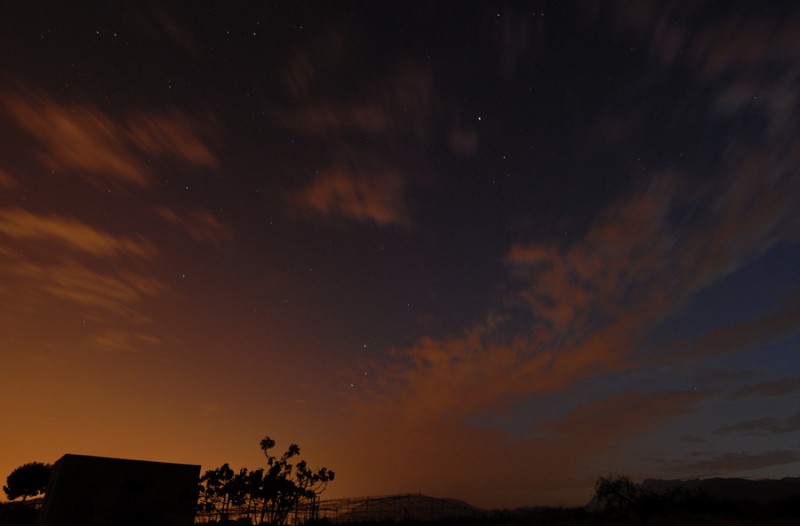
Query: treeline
column 619, row 498
column 266, row 495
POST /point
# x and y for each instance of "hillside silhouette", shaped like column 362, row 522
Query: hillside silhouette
column 732, row 489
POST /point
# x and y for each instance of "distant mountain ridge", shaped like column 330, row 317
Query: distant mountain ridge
column 731, row 489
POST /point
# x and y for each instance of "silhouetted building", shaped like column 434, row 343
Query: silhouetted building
column 100, row 491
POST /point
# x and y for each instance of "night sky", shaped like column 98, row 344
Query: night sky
column 478, row 250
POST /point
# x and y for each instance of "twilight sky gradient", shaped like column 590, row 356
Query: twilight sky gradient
column 478, row 250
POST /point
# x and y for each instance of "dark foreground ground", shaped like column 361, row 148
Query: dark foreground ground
column 19, row 514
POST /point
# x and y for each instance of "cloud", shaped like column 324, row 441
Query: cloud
column 329, row 118
column 767, row 426
column 520, row 31
column 463, row 141
column 7, row 182
column 593, row 302
column 177, row 33
column 395, row 108
column 591, row 305
column 587, row 285
column 64, row 258
column 114, row 293
column 734, row 462
column 557, row 463
column 737, row 50
column 201, row 225
column 84, row 140
column 777, row 325
column 308, row 67
column 121, row 340
column 378, row 198
column 774, row 388
column 22, row 225
column 626, row 414
column 582, row 308
column 371, row 135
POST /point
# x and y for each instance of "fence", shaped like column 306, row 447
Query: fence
column 389, row 508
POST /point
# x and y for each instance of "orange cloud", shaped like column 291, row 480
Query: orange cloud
column 201, row 225
column 559, row 468
column 463, row 141
column 327, row 118
column 20, row 224
column 459, row 376
column 307, row 66
column 45, row 257
column 594, row 301
column 379, row 198
column 394, row 108
column 590, row 305
column 84, row 140
column 79, row 284
column 121, row 340
column 391, row 114
column 7, row 182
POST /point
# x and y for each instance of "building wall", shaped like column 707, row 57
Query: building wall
column 100, row 491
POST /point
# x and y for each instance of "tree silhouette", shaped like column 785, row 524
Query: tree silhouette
column 27, row 480
column 267, row 495
column 221, row 489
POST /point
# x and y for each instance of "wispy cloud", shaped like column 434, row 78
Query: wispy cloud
column 463, row 140
column 394, row 108
column 777, row 325
column 369, row 135
column 766, row 426
column 591, row 303
column 91, row 268
column 775, row 388
column 728, row 463
column 85, row 141
column 71, row 234
column 201, row 225
column 121, row 340
column 110, row 293
column 7, row 182
column 736, row 51
column 378, row 198
column 624, row 415
column 580, row 309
